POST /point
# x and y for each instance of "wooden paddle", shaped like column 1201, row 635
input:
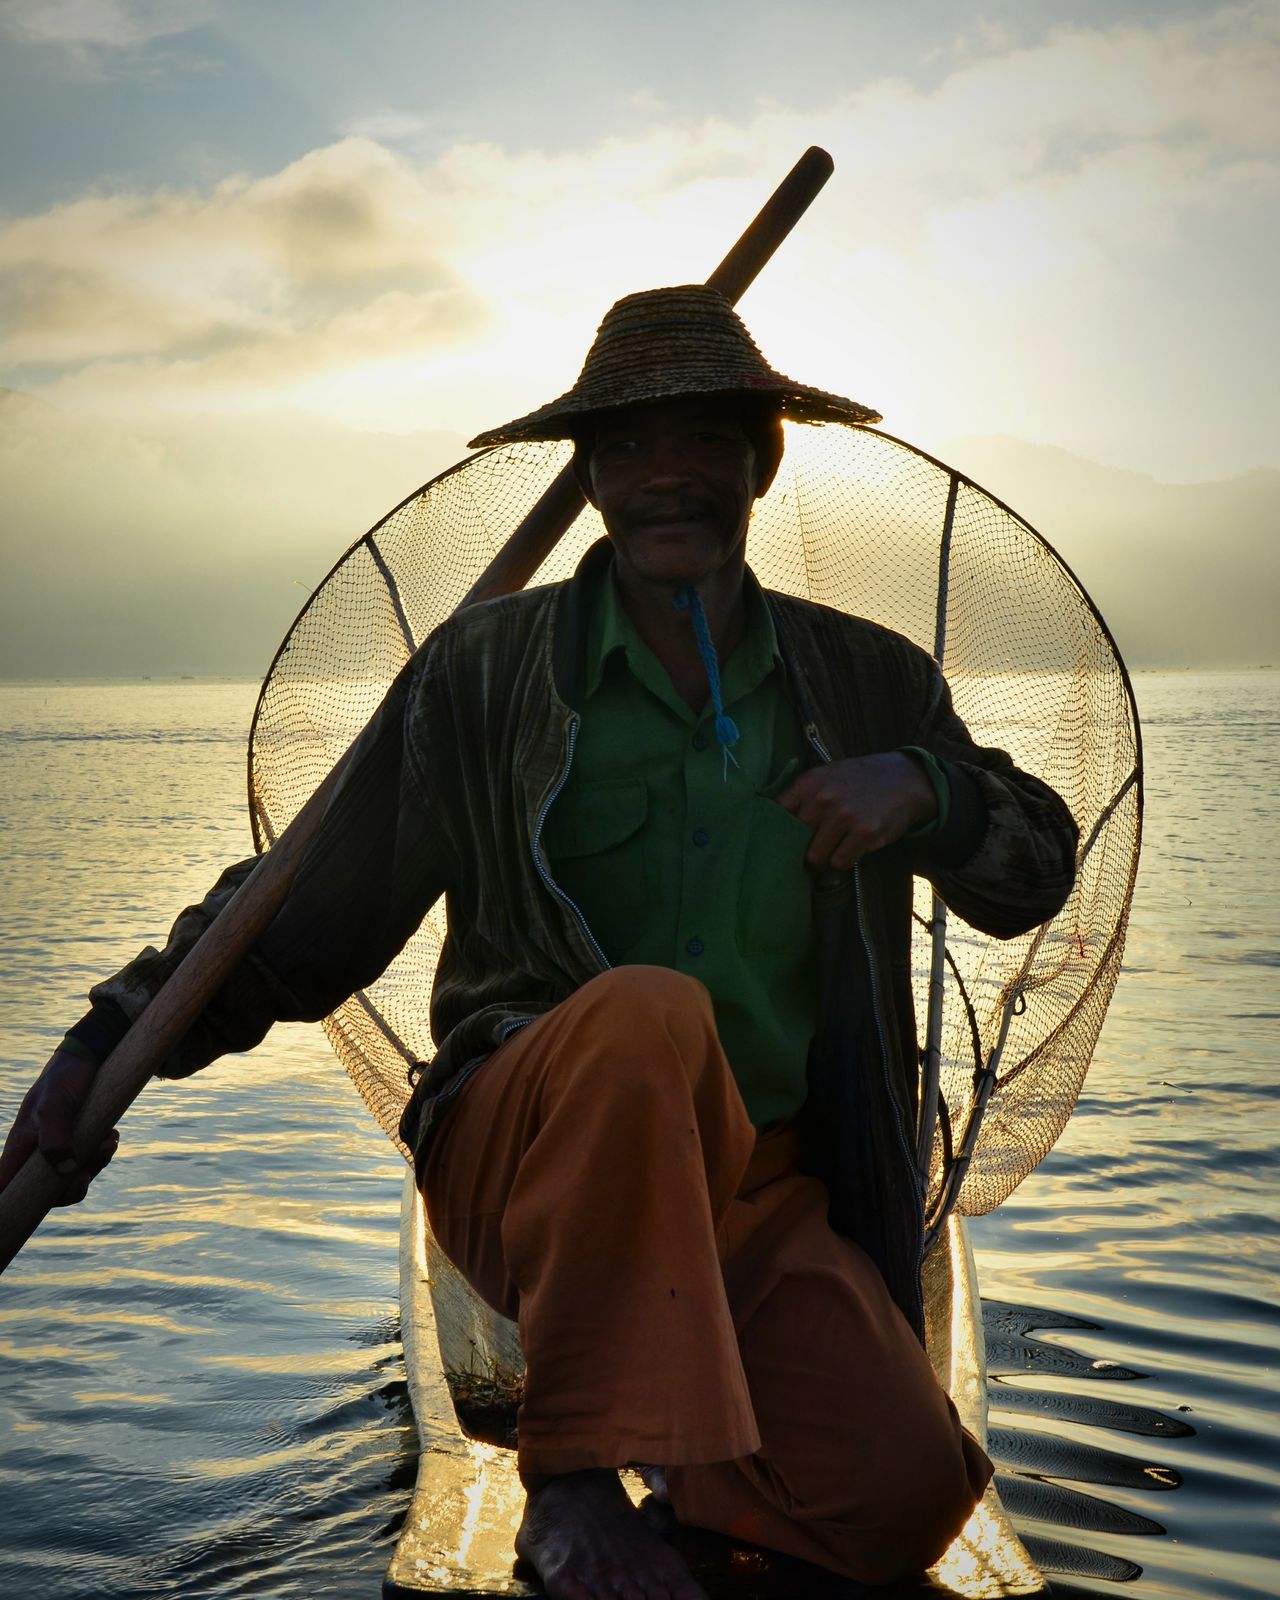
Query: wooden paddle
column 121, row 1078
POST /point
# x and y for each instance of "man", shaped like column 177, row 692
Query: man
column 668, row 1124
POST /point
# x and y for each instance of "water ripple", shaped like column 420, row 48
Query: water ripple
column 206, row 1397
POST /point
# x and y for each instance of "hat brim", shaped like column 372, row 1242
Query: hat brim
column 562, row 418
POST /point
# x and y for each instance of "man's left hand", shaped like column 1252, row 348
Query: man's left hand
column 858, row 806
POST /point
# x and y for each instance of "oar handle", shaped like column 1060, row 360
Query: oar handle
column 124, row 1074
column 533, row 540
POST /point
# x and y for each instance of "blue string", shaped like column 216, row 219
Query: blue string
column 687, row 599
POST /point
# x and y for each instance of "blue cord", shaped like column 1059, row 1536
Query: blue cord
column 687, row 599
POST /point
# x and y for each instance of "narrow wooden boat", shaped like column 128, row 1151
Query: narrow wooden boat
column 464, row 1369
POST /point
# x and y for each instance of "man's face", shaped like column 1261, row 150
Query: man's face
column 674, row 482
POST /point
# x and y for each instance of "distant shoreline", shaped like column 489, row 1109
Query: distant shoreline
column 228, row 679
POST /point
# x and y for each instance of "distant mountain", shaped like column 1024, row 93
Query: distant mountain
column 187, row 544
column 180, row 545
column 1185, row 574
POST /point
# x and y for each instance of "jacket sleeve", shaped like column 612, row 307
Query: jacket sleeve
column 381, row 858
column 1005, row 860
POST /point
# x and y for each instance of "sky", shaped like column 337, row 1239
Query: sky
column 268, row 265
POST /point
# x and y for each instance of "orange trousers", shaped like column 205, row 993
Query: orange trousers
column 680, row 1296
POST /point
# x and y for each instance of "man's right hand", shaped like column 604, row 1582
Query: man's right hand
column 46, row 1121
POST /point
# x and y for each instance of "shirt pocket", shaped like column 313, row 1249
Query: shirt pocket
column 595, row 844
column 775, row 901
column 595, row 818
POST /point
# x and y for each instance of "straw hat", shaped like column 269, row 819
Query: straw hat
column 665, row 343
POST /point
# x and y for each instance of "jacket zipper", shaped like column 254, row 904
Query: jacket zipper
column 461, row 1078
column 815, row 739
column 908, row 1155
column 516, row 1023
column 605, row 964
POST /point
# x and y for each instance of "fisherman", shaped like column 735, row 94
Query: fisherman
column 668, row 1128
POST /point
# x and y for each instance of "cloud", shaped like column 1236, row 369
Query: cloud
column 100, row 24
column 351, row 214
column 231, row 298
column 60, row 314
column 388, row 124
column 1070, row 242
column 1021, row 248
column 248, row 370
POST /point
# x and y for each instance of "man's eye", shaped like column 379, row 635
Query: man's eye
column 611, row 447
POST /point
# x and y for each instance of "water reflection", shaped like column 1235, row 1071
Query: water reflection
column 201, row 1396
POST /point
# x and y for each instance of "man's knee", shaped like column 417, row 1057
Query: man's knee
column 884, row 1478
column 648, row 994
column 920, row 1506
column 635, row 1046
column 649, row 1018
column 630, row 1042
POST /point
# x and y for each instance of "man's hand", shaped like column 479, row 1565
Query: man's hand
column 46, row 1121
column 858, row 806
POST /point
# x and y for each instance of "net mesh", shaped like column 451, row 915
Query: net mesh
column 865, row 523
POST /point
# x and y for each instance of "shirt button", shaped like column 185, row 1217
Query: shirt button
column 701, row 837
column 699, row 741
column 695, row 947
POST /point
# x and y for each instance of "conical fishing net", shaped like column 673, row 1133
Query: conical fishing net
column 862, row 522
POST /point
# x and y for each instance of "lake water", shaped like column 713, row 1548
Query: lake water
column 203, row 1393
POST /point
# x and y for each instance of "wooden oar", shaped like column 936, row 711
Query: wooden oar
column 225, row 942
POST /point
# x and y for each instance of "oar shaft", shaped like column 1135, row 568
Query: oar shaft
column 773, row 222
column 121, row 1078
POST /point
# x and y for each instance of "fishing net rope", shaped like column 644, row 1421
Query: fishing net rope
column 859, row 521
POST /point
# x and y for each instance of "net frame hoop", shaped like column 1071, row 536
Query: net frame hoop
column 264, row 835
column 954, row 1172
column 953, row 1175
column 931, row 1065
column 989, row 1078
column 1081, row 592
column 988, row 1075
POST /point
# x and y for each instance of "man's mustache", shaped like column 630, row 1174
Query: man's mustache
column 666, row 511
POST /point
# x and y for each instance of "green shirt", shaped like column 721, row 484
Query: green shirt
column 679, row 858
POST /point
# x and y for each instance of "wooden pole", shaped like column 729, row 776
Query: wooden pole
column 122, row 1077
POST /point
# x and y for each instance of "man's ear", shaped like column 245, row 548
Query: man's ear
column 581, row 465
column 768, row 447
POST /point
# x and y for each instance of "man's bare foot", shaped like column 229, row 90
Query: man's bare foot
column 588, row 1542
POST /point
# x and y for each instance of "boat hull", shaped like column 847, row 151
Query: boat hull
column 458, row 1535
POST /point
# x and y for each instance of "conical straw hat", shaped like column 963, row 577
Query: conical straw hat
column 665, row 343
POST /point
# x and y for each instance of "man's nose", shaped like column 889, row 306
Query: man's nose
column 666, row 464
